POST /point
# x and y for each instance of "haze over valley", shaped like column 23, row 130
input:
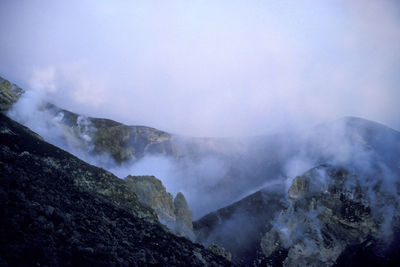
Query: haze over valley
column 257, row 133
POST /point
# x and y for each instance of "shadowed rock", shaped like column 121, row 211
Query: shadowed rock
column 56, row 210
column 331, row 209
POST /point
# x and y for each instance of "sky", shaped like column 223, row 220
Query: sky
column 206, row 67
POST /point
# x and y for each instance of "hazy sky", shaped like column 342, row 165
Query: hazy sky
column 207, row 67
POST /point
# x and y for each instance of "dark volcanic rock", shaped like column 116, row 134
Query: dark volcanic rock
column 238, row 228
column 237, row 165
column 372, row 253
column 57, row 210
column 333, row 211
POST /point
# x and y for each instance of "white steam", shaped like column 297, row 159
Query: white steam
column 195, row 179
column 31, row 111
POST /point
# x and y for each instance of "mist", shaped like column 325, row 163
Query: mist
column 215, row 172
column 208, row 68
column 199, row 171
column 252, row 94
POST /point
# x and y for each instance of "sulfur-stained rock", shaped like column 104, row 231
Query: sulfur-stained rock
column 9, row 94
column 151, row 192
column 183, row 224
column 330, row 209
column 175, row 214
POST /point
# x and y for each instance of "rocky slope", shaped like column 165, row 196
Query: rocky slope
column 330, row 215
column 364, row 148
column 238, row 227
column 330, row 210
column 58, row 210
column 354, row 142
column 99, row 136
column 232, row 166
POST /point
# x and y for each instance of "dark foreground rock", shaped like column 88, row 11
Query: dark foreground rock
column 57, row 210
column 372, row 252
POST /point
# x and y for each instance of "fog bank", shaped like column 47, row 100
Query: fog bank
column 207, row 68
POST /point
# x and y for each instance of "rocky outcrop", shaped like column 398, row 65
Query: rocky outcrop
column 9, row 94
column 183, row 215
column 220, row 251
column 330, row 209
column 152, row 193
column 126, row 143
column 56, row 210
column 175, row 214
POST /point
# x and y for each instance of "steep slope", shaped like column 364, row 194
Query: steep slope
column 331, row 209
column 365, row 148
column 354, row 142
column 58, row 210
column 238, row 227
column 231, row 167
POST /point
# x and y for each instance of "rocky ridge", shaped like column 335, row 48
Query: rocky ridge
column 370, row 150
column 110, row 144
column 379, row 143
column 331, row 209
column 57, row 210
column 123, row 143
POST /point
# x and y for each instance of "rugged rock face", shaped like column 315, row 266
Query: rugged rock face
column 331, row 209
column 238, row 227
column 9, row 94
column 183, row 224
column 152, row 193
column 173, row 213
column 57, row 210
column 220, row 251
column 123, row 143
